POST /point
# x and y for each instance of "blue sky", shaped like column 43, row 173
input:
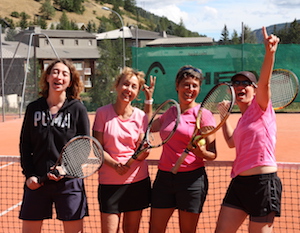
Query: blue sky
column 208, row 17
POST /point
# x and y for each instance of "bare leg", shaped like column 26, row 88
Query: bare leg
column 131, row 221
column 159, row 219
column 110, row 223
column 260, row 227
column 32, row 226
column 75, row 226
column 188, row 221
column 229, row 220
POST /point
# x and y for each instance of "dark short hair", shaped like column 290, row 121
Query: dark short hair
column 189, row 71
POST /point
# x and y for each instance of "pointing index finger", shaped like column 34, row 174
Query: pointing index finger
column 265, row 34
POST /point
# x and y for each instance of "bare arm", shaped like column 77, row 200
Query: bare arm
column 228, row 134
column 149, row 90
column 207, row 151
column 119, row 167
column 263, row 92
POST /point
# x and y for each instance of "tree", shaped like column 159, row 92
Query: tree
column 47, row 10
column 23, row 22
column 180, row 30
column 41, row 22
column 130, row 5
column 108, row 68
column 225, row 36
column 10, row 34
column 91, row 27
column 249, row 37
column 294, row 33
column 70, row 5
column 235, row 38
column 64, row 23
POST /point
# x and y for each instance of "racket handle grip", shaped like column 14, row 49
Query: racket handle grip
column 179, row 161
column 43, row 179
column 129, row 162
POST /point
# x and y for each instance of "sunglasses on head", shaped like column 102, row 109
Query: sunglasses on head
column 243, row 83
column 192, row 68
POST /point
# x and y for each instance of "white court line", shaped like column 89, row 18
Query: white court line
column 10, row 209
column 14, row 160
column 6, row 165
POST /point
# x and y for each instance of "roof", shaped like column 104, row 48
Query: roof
column 131, row 33
column 114, row 34
column 68, row 34
column 45, row 53
column 181, row 41
column 79, row 34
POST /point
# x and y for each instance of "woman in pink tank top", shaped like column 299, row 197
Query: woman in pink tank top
column 255, row 189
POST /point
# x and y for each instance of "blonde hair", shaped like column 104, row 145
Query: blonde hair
column 129, row 72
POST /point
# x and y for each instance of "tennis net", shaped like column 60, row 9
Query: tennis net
column 12, row 182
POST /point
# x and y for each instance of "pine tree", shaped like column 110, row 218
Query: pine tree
column 47, row 10
column 225, row 36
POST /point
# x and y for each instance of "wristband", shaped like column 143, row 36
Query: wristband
column 149, row 101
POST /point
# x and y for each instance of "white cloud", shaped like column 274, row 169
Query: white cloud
column 209, row 16
column 172, row 12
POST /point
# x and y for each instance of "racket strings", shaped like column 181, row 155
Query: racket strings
column 173, row 110
column 219, row 102
column 81, row 158
column 283, row 89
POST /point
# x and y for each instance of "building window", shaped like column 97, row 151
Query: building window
column 78, row 65
column 76, row 42
column 62, row 42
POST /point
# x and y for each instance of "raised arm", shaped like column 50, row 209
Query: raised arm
column 149, row 90
column 263, row 92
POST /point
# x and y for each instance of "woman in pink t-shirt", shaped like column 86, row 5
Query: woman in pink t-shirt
column 186, row 190
column 120, row 127
column 255, row 189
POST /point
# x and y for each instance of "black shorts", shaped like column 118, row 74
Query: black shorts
column 115, row 199
column 257, row 195
column 185, row 190
column 68, row 195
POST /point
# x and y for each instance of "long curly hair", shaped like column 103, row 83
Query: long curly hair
column 76, row 87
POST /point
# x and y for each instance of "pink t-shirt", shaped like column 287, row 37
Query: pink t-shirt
column 255, row 139
column 119, row 140
column 177, row 144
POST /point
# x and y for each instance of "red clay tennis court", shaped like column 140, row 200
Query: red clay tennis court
column 218, row 171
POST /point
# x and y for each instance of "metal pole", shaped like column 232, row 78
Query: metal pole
column 2, row 77
column 243, row 41
column 108, row 9
column 137, row 45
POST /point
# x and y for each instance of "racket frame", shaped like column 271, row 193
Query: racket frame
column 58, row 163
column 145, row 140
column 293, row 76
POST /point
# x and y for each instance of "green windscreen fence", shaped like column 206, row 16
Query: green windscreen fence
column 218, row 64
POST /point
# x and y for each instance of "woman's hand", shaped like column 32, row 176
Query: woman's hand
column 120, row 168
column 33, row 183
column 149, row 90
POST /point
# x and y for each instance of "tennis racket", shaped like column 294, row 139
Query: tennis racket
column 152, row 138
column 284, row 88
column 79, row 158
column 219, row 102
